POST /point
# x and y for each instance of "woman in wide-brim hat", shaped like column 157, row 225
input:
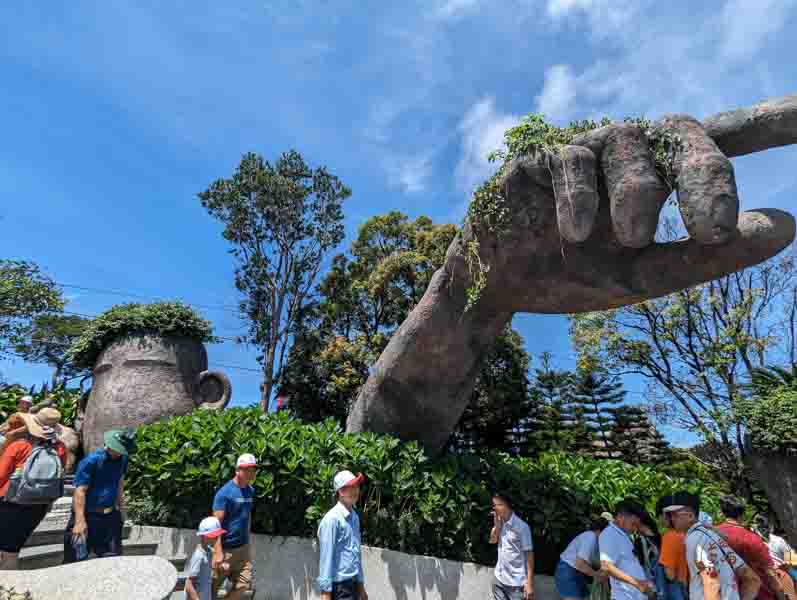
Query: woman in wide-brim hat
column 20, row 520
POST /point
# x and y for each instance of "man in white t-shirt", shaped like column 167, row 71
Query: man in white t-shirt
column 626, row 575
column 514, row 571
column 716, row 572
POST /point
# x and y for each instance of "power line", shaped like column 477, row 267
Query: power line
column 223, row 366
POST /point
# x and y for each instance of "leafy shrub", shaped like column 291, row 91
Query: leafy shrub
column 160, row 318
column 410, row 503
column 771, row 419
column 66, row 400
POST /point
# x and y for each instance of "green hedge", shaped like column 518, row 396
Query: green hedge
column 410, row 503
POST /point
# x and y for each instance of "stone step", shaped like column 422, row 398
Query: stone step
column 53, row 555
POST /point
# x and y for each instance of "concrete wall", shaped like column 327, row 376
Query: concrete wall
column 286, row 568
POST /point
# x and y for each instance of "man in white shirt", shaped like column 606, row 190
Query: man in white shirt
column 716, row 572
column 514, row 571
column 626, row 574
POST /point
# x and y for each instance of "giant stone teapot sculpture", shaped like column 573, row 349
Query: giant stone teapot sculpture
column 142, row 378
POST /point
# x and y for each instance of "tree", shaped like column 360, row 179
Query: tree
column 49, row 340
column 359, row 304
column 550, row 422
column 596, row 397
column 25, row 293
column 281, row 219
column 634, row 439
column 493, row 417
column 698, row 349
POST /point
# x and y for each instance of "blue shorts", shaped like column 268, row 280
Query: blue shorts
column 570, row 582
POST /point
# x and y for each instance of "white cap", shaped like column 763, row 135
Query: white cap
column 26, row 399
column 672, row 508
column 346, row 479
column 246, row 460
column 210, row 527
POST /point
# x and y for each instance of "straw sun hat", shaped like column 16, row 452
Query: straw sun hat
column 43, row 423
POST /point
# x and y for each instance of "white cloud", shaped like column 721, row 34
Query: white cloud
column 605, row 16
column 410, row 174
column 482, row 130
column 746, row 25
column 558, row 92
column 455, row 8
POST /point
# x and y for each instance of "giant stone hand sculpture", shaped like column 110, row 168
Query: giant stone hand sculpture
column 588, row 247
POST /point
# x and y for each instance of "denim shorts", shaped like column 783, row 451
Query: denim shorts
column 570, row 582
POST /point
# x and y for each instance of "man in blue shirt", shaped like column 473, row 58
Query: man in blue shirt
column 95, row 524
column 232, row 506
column 340, row 569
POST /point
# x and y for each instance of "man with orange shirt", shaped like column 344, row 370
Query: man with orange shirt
column 19, row 520
column 672, row 556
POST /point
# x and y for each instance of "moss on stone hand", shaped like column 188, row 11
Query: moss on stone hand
column 488, row 211
column 160, row 318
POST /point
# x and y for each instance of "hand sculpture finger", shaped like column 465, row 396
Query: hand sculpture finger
column 664, row 268
column 706, row 184
column 636, row 193
column 574, row 171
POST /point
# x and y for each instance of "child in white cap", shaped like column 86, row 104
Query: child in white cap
column 340, row 564
column 198, row 580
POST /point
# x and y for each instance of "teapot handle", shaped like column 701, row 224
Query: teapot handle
column 226, row 391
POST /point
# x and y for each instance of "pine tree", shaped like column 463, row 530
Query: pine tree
column 596, row 396
column 636, row 439
column 548, row 424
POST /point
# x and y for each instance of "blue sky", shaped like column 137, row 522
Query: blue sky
column 116, row 114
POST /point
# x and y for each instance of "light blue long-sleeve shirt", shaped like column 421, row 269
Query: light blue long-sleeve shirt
column 339, row 539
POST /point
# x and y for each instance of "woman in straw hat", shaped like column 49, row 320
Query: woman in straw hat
column 18, row 520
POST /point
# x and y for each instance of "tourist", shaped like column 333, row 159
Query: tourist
column 340, row 565
column 20, row 520
column 579, row 562
column 750, row 547
column 673, row 577
column 716, row 572
column 626, row 574
column 514, row 571
column 95, row 524
column 232, row 506
column 647, row 546
column 24, row 404
column 779, row 551
column 198, row 574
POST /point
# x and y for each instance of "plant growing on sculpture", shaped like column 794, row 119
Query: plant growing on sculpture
column 535, row 137
column 410, row 503
column 163, row 319
column 698, row 348
column 281, row 220
column 25, row 294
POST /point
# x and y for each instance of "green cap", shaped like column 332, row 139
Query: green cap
column 120, row 441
